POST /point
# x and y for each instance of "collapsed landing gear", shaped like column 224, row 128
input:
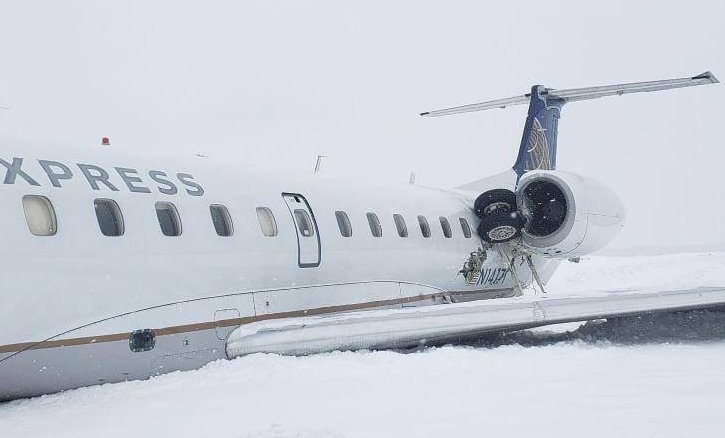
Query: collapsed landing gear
column 500, row 228
column 494, row 202
column 500, row 220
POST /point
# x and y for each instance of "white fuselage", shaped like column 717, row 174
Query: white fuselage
column 71, row 300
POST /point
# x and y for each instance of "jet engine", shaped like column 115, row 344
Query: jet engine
column 565, row 214
column 552, row 213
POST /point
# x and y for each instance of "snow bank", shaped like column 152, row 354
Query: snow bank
column 565, row 390
column 646, row 273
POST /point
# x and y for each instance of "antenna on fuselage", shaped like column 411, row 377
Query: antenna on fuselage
column 318, row 163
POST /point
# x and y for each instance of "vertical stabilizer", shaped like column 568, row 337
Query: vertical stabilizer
column 538, row 143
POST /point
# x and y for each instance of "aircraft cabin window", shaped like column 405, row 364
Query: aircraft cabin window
column 424, row 227
column 343, row 222
column 400, row 225
column 446, row 227
column 465, row 227
column 304, row 223
column 110, row 219
column 375, row 229
column 168, row 219
column 40, row 215
column 266, row 221
column 222, row 220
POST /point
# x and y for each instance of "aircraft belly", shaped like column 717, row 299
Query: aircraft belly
column 45, row 371
column 187, row 334
column 73, row 363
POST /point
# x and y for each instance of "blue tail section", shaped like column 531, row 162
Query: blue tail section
column 538, row 143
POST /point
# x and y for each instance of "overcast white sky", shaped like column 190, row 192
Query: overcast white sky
column 276, row 83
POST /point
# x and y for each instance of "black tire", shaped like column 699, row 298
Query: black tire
column 494, row 202
column 501, row 227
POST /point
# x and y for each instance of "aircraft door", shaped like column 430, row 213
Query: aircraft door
column 308, row 237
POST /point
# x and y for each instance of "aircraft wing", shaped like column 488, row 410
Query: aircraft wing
column 400, row 328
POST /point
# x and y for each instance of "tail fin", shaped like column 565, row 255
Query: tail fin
column 538, row 143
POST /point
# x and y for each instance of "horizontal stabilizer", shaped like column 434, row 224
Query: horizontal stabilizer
column 577, row 94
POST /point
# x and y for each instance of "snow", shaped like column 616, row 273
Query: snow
column 657, row 376
column 645, row 273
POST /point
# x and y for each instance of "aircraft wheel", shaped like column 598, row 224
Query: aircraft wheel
column 500, row 228
column 494, row 202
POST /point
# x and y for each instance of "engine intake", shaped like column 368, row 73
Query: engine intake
column 567, row 215
column 548, row 207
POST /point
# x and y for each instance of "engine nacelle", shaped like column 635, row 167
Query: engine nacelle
column 567, row 215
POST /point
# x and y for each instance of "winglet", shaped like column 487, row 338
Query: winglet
column 707, row 75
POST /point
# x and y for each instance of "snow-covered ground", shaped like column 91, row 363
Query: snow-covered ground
column 657, row 376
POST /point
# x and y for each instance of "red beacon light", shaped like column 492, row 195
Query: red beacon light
column 105, row 141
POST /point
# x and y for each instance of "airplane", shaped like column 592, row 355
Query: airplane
column 119, row 267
